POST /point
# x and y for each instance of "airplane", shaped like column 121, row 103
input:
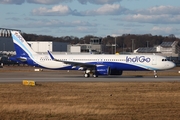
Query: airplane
column 91, row 64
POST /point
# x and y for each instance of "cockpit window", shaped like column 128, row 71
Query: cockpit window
column 164, row 60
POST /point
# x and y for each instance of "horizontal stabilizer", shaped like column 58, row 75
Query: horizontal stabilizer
column 22, row 59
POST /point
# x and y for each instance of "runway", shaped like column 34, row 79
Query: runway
column 7, row 77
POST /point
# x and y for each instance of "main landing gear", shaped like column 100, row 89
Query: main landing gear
column 88, row 73
column 155, row 74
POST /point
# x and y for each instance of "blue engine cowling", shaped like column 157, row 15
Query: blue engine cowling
column 102, row 70
column 106, row 70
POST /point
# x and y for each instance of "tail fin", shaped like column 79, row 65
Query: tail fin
column 21, row 46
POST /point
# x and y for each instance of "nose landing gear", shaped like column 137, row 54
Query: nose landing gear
column 155, row 74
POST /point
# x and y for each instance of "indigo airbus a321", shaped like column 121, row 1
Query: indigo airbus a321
column 95, row 65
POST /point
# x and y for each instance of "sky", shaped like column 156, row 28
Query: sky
column 91, row 17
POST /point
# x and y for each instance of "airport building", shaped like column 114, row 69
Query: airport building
column 7, row 45
column 94, row 47
column 165, row 48
column 43, row 46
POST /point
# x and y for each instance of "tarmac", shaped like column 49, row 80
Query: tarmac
column 19, row 73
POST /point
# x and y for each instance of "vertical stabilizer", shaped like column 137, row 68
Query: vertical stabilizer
column 21, row 46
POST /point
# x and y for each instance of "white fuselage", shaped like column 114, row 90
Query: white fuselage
column 121, row 62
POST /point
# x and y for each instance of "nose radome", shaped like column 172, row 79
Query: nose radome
column 171, row 65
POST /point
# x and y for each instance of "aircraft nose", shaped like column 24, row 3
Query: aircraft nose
column 171, row 64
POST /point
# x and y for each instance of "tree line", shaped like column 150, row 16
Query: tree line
column 124, row 43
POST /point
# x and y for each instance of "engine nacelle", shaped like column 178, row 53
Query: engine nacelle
column 105, row 70
column 102, row 70
column 116, row 72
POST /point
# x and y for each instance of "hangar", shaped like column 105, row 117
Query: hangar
column 7, row 46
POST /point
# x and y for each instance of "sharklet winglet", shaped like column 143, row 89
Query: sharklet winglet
column 51, row 55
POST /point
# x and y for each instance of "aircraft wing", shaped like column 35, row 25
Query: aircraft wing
column 84, row 65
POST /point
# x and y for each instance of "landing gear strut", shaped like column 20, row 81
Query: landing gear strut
column 155, row 74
